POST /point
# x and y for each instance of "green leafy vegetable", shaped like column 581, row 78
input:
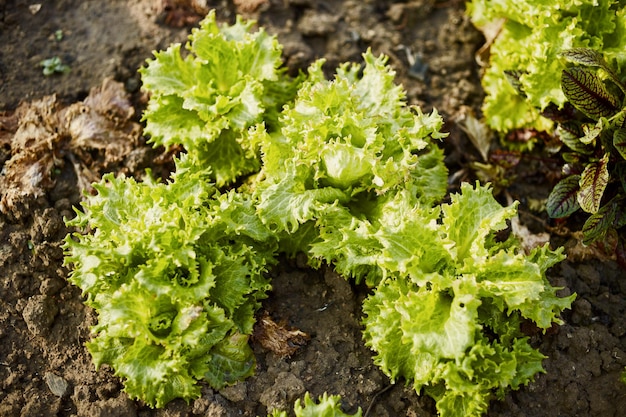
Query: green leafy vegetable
column 348, row 174
column 563, row 199
column 328, row 406
column 208, row 100
column 532, row 36
column 345, row 147
column 448, row 317
column 175, row 272
column 54, row 65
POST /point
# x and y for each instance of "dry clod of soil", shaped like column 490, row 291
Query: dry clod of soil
column 39, row 314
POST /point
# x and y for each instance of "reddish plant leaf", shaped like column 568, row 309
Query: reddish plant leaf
column 591, row 58
column 570, row 133
column 586, row 91
column 592, row 183
column 598, row 224
column 584, row 56
column 506, row 159
column 562, row 200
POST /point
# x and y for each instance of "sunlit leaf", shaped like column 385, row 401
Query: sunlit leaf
column 327, row 406
column 562, row 200
column 478, row 133
column 593, row 182
column 591, row 132
column 586, row 91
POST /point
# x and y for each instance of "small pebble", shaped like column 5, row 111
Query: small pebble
column 58, row 386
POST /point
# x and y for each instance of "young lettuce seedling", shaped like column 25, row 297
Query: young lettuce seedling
column 327, row 406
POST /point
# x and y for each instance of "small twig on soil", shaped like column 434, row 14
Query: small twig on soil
column 382, row 391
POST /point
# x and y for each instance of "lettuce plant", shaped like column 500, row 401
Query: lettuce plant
column 205, row 102
column 448, row 317
column 348, row 174
column 175, row 272
column 327, row 406
column 523, row 75
column 345, row 146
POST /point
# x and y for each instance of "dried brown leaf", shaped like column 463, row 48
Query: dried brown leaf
column 27, row 175
column 249, row 6
column 102, row 122
column 93, row 134
column 478, row 133
column 276, row 337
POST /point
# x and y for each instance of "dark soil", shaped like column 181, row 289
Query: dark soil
column 45, row 369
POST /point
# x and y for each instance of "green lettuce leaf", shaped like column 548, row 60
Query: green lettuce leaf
column 448, row 311
column 533, row 35
column 228, row 82
column 327, row 406
column 175, row 272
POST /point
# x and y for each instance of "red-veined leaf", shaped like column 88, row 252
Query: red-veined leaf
column 592, row 183
column 586, row 91
column 584, row 56
column 572, row 158
column 591, row 58
column 570, row 133
column 562, row 200
column 513, row 77
column 598, row 224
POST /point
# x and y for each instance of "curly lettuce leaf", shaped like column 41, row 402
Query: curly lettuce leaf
column 532, row 46
column 327, row 406
column 228, row 82
column 175, row 272
column 447, row 314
